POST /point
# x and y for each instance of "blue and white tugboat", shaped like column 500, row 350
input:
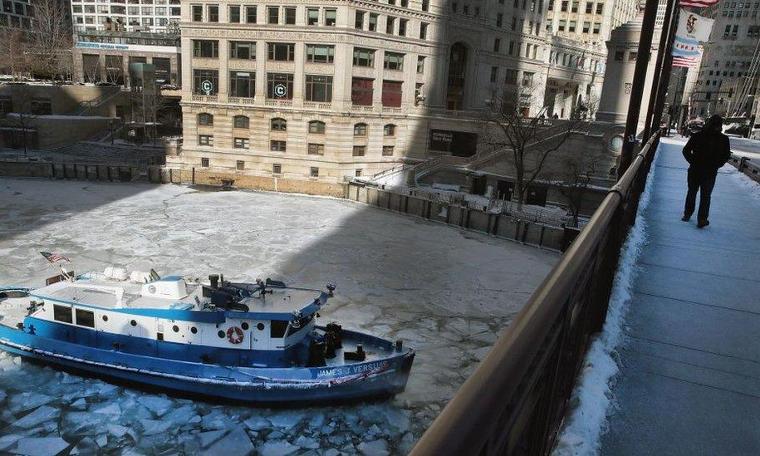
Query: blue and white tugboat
column 255, row 342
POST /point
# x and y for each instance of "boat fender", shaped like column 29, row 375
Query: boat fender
column 235, row 335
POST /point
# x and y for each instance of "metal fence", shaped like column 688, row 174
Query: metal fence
column 516, row 399
column 746, row 166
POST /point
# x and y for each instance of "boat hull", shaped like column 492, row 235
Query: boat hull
column 379, row 377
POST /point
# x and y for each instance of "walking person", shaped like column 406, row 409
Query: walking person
column 706, row 152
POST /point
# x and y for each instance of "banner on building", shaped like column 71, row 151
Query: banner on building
column 692, row 29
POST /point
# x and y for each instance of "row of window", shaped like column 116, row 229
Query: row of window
column 732, row 31
column 317, row 88
column 279, row 124
column 315, row 53
column 531, row 50
column 572, row 26
column 131, row 10
column 744, row 13
column 277, row 145
column 533, row 27
column 133, row 2
column 574, row 7
column 276, row 171
column 516, row 5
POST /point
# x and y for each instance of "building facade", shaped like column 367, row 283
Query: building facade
column 588, row 21
column 728, row 76
column 287, row 91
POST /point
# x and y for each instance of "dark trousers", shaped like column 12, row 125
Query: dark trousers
column 702, row 182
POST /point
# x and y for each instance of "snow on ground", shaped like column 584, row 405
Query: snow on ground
column 591, row 397
column 445, row 292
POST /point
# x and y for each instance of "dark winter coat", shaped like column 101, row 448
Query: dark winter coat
column 707, row 151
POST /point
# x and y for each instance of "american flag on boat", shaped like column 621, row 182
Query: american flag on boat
column 54, row 257
column 697, row 3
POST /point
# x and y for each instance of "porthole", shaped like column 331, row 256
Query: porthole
column 260, row 326
column 220, row 334
column 133, row 323
column 152, row 289
column 105, row 317
column 175, row 328
column 194, row 330
column 244, row 326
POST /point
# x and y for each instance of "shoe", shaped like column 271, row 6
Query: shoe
column 686, row 218
column 702, row 223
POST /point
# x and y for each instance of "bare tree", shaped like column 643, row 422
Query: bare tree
column 529, row 140
column 22, row 120
column 50, row 39
column 577, row 173
column 12, row 58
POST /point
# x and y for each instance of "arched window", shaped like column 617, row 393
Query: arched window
column 457, row 71
column 360, row 129
column 241, row 122
column 389, row 130
column 205, row 119
column 317, row 126
column 279, row 124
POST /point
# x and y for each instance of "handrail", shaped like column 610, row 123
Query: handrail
column 515, row 400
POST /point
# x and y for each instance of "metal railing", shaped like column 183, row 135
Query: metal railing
column 516, row 399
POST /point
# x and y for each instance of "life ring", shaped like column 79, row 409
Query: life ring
column 235, row 335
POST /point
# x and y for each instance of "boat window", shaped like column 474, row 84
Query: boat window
column 194, row 330
column 277, row 329
column 244, row 326
column 220, row 334
column 62, row 313
column 105, row 317
column 175, row 328
column 85, row 318
column 260, row 326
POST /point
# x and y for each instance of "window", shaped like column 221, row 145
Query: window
column 317, row 127
column 330, row 16
column 290, row 16
column 574, row 7
column 277, row 329
column 402, row 27
column 632, row 56
column 420, row 64
column 320, row 53
column 85, row 318
column 276, row 168
column 562, row 24
column 278, row 124
column 586, row 27
column 241, row 122
column 358, row 173
column 360, row 129
column 423, row 31
column 316, row 149
column 494, row 73
column 205, row 82
column 235, row 13
column 571, row 27
column 364, row 57
column 206, row 48
column 372, row 22
column 563, row 6
column 359, row 151
column 244, row 50
column 359, row 20
column 206, row 140
column 313, row 172
column 205, row 119
column 499, row 19
column 389, row 130
column 527, row 79
column 213, row 13
column 241, row 143
column 393, row 61
column 277, row 146
column 273, row 15
column 242, row 84
column 511, row 77
column 599, row 8
column 41, row 107
column 496, row 44
column 312, row 16
column 277, row 83
column 362, row 91
column 250, row 14
column 319, row 88
column 240, row 165
column 619, row 56
column 389, row 22
column 589, row 7
column 282, row 52
column 197, row 13
column 426, row 5
column 62, row 313
column 387, row 151
column 392, row 94
column 597, row 28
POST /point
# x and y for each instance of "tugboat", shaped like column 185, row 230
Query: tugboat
column 254, row 342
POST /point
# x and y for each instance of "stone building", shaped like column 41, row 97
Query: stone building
column 305, row 95
column 727, row 82
column 588, row 21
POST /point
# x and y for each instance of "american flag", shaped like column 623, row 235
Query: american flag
column 684, row 62
column 697, row 3
column 54, row 257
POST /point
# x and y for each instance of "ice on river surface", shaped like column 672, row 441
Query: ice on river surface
column 444, row 292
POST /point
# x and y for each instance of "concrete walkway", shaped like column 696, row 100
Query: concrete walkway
column 689, row 380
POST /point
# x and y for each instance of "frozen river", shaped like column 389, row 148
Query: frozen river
column 444, row 292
